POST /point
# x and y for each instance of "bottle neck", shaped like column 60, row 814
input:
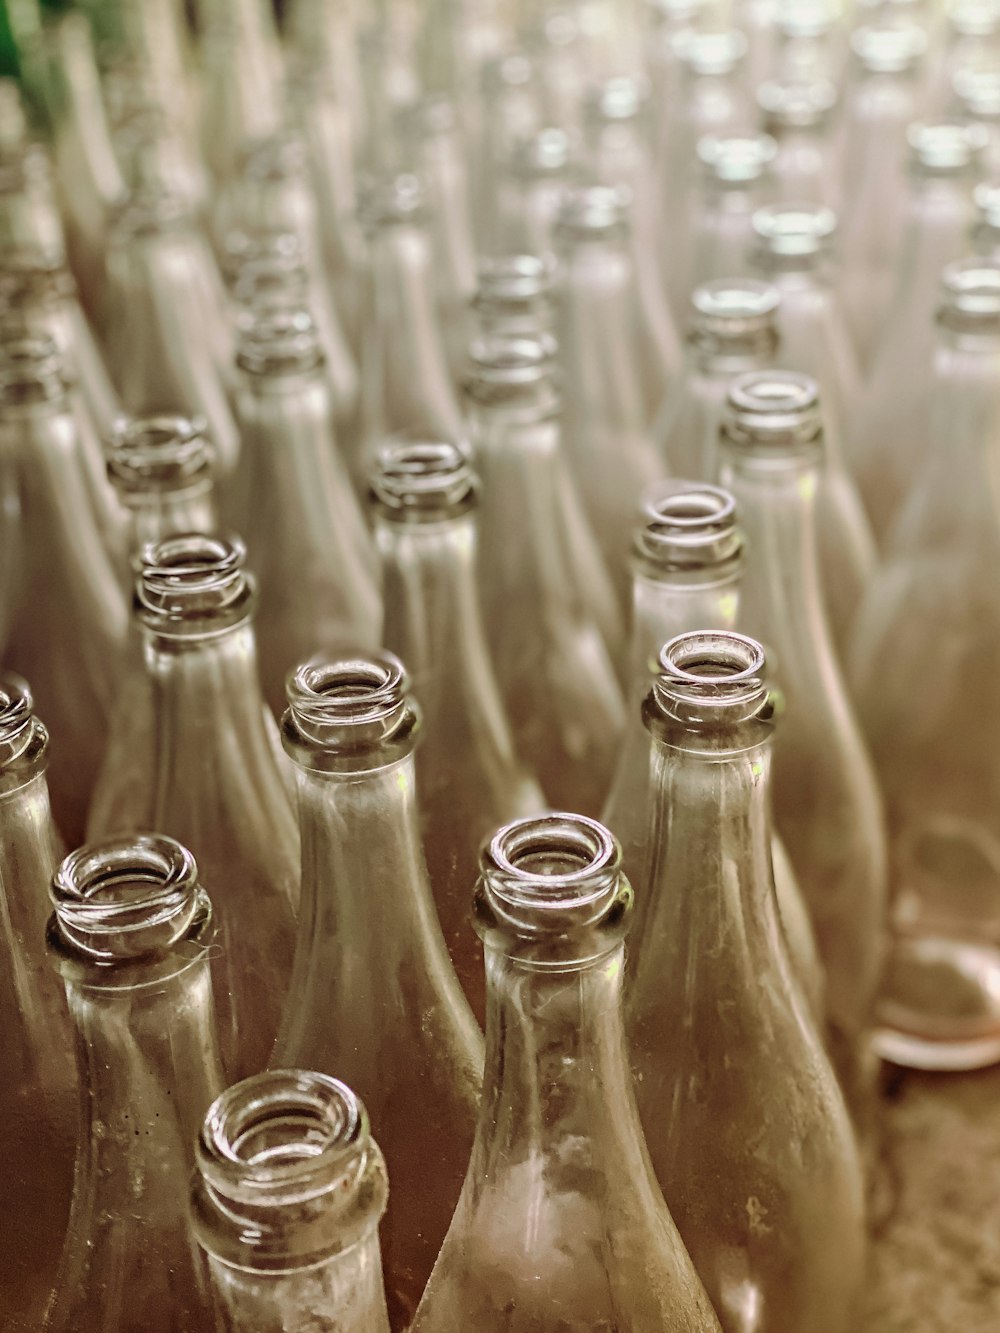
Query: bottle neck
column 347, row 1290
column 935, row 233
column 158, row 515
column 664, row 607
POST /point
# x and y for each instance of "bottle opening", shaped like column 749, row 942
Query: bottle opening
column 594, row 211
column 712, row 677
column 729, row 310
column 796, row 105
column 414, row 478
column 508, row 362
column 738, row 160
column 793, row 231
column 350, row 692
column 895, row 47
column 970, row 297
column 273, row 252
column 977, row 89
column 161, row 453
column 947, row 148
column 17, row 707
column 687, row 524
column 710, row 54
column 193, row 583
column 278, row 340
column 773, row 409
column 127, row 898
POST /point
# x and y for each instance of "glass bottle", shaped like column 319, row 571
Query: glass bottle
column 945, row 160
column 68, row 629
column 29, row 209
column 798, row 116
column 314, row 557
column 470, row 778
column 733, row 329
column 827, row 806
column 984, row 235
column 605, row 421
column 687, row 560
column 548, row 603
column 131, row 935
column 746, row 1126
column 288, row 1190
column 560, row 1223
column 792, row 250
column 38, row 1094
column 169, row 339
column 976, row 97
column 511, row 113
column 530, row 192
column 213, row 776
column 405, row 382
column 928, row 638
column 514, row 297
column 373, row 993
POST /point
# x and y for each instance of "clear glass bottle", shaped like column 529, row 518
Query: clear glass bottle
column 131, row 935
column 791, row 250
column 470, row 778
column 373, row 993
column 827, row 807
column 746, row 1127
column 313, row 554
column 733, row 329
column 69, row 592
column 734, row 179
column 511, row 103
column 687, row 560
column 169, row 338
column 984, row 235
column 927, row 644
column 944, row 162
column 212, row 775
column 405, row 382
column 798, row 115
column 29, row 209
column 288, row 1190
column 38, row 1095
column 514, row 297
column 560, row 1223
column 530, row 192
column 554, row 625
column 605, row 422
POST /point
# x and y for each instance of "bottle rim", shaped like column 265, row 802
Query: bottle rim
column 417, row 479
column 773, row 413
column 156, row 454
column 796, row 105
column 193, row 585
column 277, row 339
column 737, row 159
column 891, row 47
column 685, row 526
column 710, row 679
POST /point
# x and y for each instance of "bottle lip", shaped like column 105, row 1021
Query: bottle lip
column 129, row 899
column 24, row 741
column 946, row 149
column 349, row 714
column 736, row 160
column 986, row 200
column 277, row 341
column 734, row 317
column 970, row 298
column 977, row 91
column 686, row 526
column 193, row 586
column 710, row 679
column 416, row 480
column 623, row 97
column 551, row 891
column 792, row 235
column 710, row 53
column 590, row 212
column 796, row 105
column 773, row 414
column 806, row 21
column 506, row 361
column 159, row 454
column 973, row 18
column 890, row 47
column 32, row 369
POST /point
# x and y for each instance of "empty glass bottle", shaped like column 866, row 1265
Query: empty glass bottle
column 511, row 112
column 514, row 296
column 529, row 196
column 746, row 1127
column 560, row 1223
column 131, row 936
column 734, row 179
column 605, row 421
column 373, row 993
column 68, row 628
column 316, row 564
column 470, row 778
column 288, row 1191
column 38, row 1094
column 548, row 604
column 733, row 329
column 211, row 772
column 792, row 250
column 944, row 166
column 928, row 642
column 826, row 802
column 240, row 62
column 798, row 116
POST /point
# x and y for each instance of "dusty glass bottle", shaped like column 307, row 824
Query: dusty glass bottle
column 313, row 554
column 605, row 422
column 746, row 1126
column 373, row 993
column 827, row 806
column 470, row 778
column 791, row 249
column 944, row 163
column 131, row 936
column 211, row 772
column 287, row 1194
column 68, row 589
column 560, row 1223
column 38, row 1096
column 932, row 614
column 548, row 602
column 732, row 329
column 798, row 115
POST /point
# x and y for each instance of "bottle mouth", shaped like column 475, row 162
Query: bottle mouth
column 776, row 411
column 894, row 47
column 500, row 362
column 736, row 160
column 734, row 317
column 342, row 712
column 970, row 297
column 686, row 525
column 159, row 453
column 710, row 54
column 711, row 679
column 32, row 369
column 278, row 340
column 127, row 898
column 796, row 105
column 593, row 211
column 23, row 740
column 622, row 98
column 947, row 148
column 973, row 18
column 787, row 233
column 423, row 479
column 552, row 891
column 977, row 89
column 810, row 20
column 17, row 707
column 193, row 584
